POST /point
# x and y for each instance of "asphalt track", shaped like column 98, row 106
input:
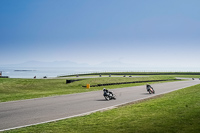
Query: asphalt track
column 23, row 113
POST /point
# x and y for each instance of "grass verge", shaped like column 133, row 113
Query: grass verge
column 136, row 73
column 177, row 111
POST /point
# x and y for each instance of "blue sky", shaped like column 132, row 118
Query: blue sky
column 155, row 32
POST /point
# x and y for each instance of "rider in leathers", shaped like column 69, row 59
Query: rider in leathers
column 148, row 87
column 107, row 92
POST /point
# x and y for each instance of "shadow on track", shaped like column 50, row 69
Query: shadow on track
column 101, row 100
column 144, row 93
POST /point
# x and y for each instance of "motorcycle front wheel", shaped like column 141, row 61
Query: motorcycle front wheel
column 107, row 98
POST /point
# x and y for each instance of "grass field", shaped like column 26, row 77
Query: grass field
column 139, row 73
column 175, row 112
column 18, row 89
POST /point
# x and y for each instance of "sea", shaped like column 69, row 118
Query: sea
column 52, row 72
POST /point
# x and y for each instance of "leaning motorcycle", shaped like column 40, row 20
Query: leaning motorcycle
column 109, row 96
column 151, row 90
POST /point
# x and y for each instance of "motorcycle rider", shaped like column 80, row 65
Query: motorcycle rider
column 148, row 87
column 107, row 92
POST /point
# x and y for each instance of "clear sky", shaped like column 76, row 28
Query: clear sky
column 156, row 32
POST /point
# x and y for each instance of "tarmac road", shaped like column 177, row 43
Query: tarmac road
column 23, row 113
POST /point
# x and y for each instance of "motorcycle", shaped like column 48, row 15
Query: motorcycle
column 151, row 90
column 109, row 95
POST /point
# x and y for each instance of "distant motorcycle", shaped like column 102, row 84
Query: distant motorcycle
column 150, row 89
column 108, row 95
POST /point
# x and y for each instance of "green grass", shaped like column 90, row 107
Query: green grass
column 138, row 73
column 175, row 112
column 188, row 76
column 18, row 89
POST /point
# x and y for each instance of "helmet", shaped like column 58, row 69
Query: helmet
column 104, row 89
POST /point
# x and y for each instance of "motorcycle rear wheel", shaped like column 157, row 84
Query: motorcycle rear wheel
column 114, row 96
column 149, row 91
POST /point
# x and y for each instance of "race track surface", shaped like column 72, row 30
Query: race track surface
column 22, row 113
